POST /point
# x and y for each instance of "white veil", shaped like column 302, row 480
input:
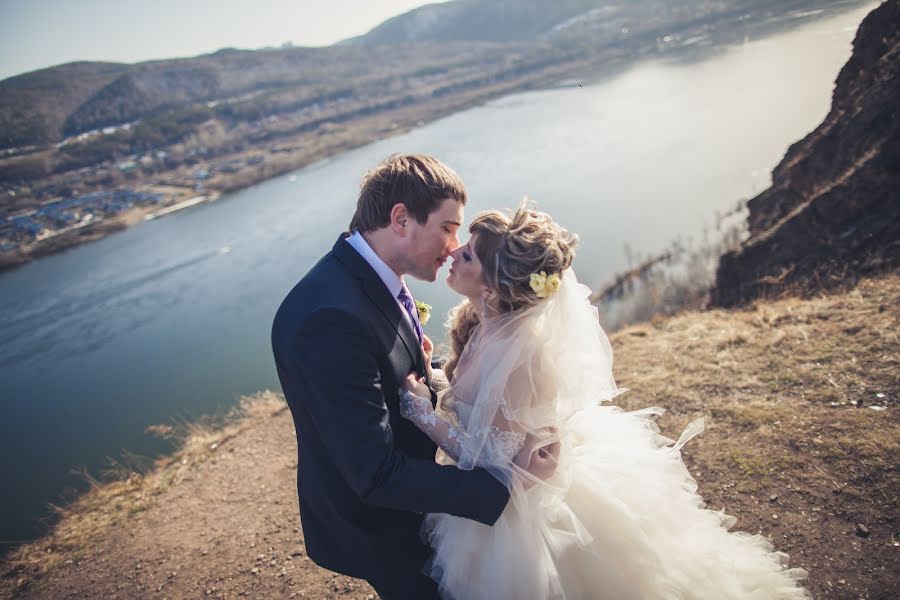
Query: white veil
column 531, row 371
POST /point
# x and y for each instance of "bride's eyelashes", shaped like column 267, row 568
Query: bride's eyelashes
column 467, row 253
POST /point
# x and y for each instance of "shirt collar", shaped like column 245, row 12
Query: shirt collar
column 392, row 281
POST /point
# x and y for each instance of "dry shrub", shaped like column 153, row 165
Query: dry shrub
column 679, row 279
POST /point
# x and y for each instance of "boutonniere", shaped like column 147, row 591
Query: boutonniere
column 423, row 311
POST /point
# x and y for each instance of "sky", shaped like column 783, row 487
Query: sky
column 40, row 33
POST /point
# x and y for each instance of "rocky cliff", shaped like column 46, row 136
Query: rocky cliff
column 833, row 210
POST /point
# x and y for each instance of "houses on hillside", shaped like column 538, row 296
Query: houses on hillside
column 60, row 214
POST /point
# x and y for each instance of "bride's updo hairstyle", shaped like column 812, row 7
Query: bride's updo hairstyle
column 510, row 249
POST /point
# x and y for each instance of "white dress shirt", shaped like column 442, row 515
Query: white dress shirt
column 392, row 281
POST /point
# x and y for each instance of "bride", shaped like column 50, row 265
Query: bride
column 617, row 515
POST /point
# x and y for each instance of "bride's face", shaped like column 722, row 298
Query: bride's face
column 465, row 275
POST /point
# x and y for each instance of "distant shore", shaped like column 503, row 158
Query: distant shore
column 70, row 237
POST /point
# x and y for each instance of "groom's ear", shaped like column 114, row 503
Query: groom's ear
column 399, row 218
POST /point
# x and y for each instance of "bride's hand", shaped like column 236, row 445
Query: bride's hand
column 415, row 404
column 539, row 457
column 416, row 385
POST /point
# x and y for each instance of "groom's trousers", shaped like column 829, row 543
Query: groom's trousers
column 418, row 587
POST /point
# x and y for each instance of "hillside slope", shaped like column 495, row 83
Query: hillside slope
column 239, row 85
column 530, row 20
column 833, row 210
column 33, row 105
column 802, row 439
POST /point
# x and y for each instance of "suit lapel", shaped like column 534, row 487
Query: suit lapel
column 378, row 294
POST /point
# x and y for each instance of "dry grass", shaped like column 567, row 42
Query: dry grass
column 800, row 399
column 110, row 504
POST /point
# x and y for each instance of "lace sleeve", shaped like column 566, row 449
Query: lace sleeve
column 420, row 411
column 503, row 442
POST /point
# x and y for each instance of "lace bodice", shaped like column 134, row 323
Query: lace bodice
column 503, row 445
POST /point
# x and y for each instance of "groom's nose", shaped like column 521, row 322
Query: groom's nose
column 453, row 244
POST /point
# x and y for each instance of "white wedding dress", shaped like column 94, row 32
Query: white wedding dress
column 619, row 519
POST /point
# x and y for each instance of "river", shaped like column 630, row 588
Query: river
column 170, row 319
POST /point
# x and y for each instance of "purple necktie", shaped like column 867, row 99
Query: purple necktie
column 406, row 300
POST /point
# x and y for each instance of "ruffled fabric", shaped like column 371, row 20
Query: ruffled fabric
column 619, row 517
column 629, row 525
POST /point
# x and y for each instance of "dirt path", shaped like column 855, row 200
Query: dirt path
column 226, row 526
column 802, row 443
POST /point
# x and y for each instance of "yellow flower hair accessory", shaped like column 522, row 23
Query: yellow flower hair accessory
column 543, row 285
column 423, row 311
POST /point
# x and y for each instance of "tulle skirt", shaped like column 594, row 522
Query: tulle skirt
column 621, row 520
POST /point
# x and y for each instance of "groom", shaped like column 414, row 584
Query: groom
column 344, row 340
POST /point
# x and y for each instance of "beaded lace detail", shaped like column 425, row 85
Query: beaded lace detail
column 504, row 444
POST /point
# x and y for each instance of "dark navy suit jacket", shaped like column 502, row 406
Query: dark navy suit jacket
column 365, row 475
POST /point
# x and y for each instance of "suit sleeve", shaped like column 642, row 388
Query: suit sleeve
column 334, row 355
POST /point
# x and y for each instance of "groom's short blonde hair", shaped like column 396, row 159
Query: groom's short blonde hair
column 419, row 182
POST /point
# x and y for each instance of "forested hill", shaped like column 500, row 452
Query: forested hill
column 535, row 20
column 434, row 43
column 48, row 105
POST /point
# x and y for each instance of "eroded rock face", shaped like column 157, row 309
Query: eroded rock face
column 833, row 211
